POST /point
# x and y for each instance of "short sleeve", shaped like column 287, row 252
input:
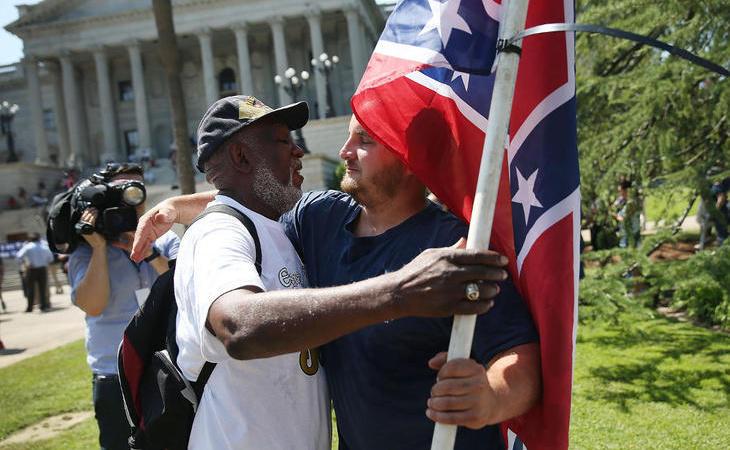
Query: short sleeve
column 507, row 325
column 78, row 265
column 223, row 261
column 168, row 244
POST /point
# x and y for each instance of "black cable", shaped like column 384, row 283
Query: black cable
column 559, row 27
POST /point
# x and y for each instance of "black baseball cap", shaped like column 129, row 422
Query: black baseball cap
column 231, row 114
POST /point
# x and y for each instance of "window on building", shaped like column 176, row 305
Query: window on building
column 227, row 81
column 126, row 92
column 49, row 119
column 131, row 141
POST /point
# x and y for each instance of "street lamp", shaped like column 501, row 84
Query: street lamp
column 7, row 112
column 325, row 65
column 294, row 85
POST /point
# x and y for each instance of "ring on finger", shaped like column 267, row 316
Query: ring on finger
column 472, row 291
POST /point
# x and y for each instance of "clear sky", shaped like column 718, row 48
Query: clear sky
column 11, row 48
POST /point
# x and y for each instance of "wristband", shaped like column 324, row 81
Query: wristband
column 155, row 254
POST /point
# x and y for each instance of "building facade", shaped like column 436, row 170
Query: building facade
column 91, row 87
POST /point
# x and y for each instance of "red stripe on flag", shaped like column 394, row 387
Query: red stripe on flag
column 547, row 293
column 382, row 69
column 543, row 67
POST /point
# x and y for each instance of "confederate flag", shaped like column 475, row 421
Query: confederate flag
column 426, row 94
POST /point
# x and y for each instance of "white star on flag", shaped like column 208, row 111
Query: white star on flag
column 525, row 194
column 445, row 18
column 464, row 78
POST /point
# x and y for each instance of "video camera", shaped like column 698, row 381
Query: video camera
column 116, row 201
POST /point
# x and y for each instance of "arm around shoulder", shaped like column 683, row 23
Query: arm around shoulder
column 256, row 325
column 157, row 221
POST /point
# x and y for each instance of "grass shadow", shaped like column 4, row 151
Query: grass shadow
column 660, row 361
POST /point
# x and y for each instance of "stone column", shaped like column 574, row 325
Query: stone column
column 73, row 106
column 36, row 111
column 320, row 81
column 206, row 55
column 244, row 60
column 140, row 97
column 106, row 106
column 354, row 33
column 59, row 112
column 277, row 31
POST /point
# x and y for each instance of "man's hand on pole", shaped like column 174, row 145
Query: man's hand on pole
column 469, row 394
column 462, row 395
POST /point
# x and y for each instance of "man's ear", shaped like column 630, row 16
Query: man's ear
column 240, row 157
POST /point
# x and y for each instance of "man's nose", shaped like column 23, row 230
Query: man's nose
column 347, row 152
column 297, row 151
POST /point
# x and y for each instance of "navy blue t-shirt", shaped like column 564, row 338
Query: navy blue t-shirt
column 379, row 377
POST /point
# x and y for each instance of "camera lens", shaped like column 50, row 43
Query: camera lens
column 133, row 195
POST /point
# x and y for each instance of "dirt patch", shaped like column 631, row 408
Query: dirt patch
column 678, row 251
column 47, row 428
column 682, row 316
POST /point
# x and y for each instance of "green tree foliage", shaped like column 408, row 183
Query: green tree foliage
column 644, row 114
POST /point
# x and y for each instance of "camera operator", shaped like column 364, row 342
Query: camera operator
column 106, row 285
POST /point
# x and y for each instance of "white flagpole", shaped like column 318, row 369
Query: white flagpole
column 482, row 216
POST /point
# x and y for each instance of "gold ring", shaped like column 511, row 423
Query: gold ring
column 472, row 291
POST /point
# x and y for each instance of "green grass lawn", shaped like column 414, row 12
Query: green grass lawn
column 646, row 382
column 80, row 437
column 54, row 382
column 640, row 382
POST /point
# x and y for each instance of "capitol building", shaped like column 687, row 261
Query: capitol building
column 91, row 87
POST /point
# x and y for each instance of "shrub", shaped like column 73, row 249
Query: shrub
column 601, row 299
column 622, row 278
column 701, row 295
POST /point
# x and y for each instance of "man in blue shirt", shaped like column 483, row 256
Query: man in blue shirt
column 105, row 284
column 379, row 377
column 34, row 258
column 384, row 376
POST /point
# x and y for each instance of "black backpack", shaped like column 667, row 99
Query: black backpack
column 159, row 401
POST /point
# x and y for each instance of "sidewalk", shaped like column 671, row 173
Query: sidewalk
column 690, row 225
column 28, row 334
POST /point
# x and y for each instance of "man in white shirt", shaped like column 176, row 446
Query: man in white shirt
column 267, row 390
column 34, row 258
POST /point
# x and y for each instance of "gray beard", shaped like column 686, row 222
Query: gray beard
column 270, row 191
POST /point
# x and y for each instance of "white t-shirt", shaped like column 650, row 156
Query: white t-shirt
column 268, row 403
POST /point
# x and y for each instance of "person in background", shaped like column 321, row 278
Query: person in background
column 105, row 284
column 627, row 212
column 22, row 197
column 2, row 276
column 34, row 257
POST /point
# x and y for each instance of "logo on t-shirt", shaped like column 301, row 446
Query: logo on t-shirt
column 290, row 280
column 309, row 361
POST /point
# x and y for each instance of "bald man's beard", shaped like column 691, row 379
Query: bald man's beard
column 272, row 192
column 381, row 186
